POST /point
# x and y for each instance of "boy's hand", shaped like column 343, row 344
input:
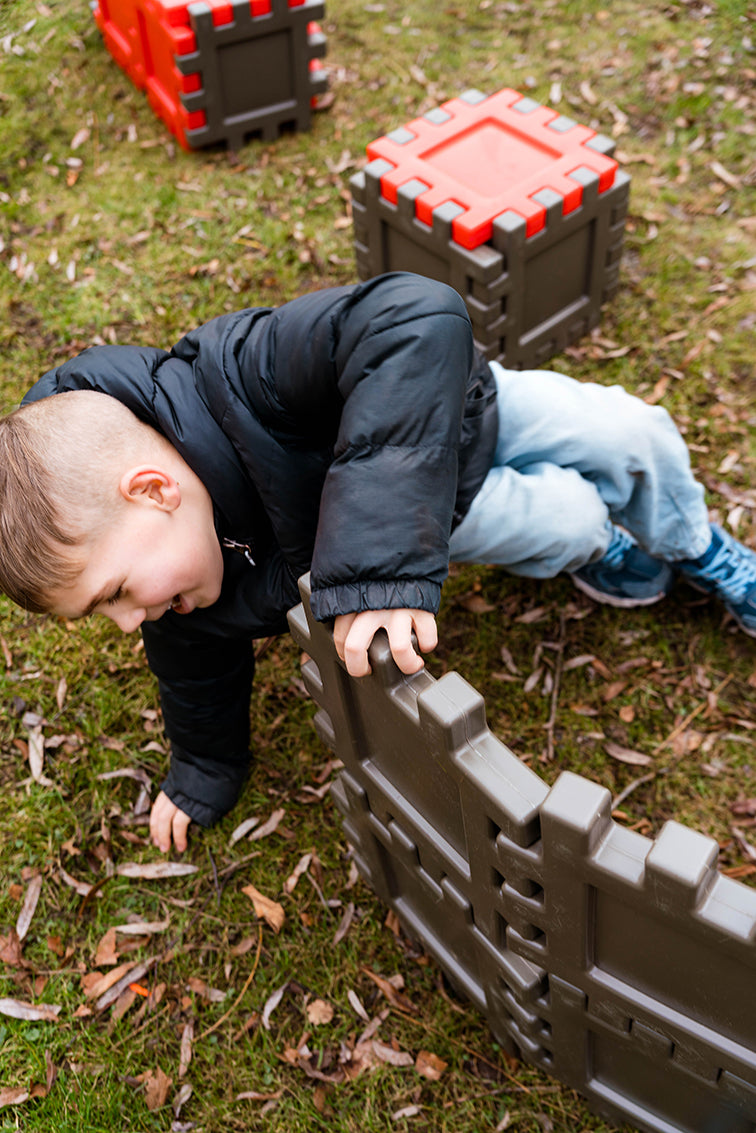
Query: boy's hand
column 352, row 634
column 168, row 823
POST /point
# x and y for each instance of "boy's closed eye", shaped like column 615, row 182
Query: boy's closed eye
column 115, row 596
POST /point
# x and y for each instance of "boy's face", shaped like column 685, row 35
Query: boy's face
column 161, row 552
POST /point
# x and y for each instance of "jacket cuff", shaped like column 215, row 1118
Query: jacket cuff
column 354, row 597
column 190, row 783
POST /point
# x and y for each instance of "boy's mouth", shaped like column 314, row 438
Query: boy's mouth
column 180, row 605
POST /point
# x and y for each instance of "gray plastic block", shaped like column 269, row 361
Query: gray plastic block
column 621, row 965
column 256, row 75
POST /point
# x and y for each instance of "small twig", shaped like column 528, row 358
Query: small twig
column 624, row 795
column 319, row 892
column 239, row 997
column 551, row 722
column 218, row 890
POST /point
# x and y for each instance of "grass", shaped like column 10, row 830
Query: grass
column 110, row 232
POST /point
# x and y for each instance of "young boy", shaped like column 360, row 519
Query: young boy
column 354, row 432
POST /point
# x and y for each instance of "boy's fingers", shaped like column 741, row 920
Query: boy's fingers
column 426, row 630
column 180, row 825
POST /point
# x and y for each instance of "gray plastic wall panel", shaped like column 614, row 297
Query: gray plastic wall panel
column 621, row 965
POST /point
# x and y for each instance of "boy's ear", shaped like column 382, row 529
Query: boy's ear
column 149, row 484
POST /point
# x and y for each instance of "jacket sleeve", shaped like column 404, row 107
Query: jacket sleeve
column 205, row 685
column 388, row 361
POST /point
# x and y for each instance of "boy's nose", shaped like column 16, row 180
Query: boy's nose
column 128, row 620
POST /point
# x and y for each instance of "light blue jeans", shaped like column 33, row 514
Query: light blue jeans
column 572, row 458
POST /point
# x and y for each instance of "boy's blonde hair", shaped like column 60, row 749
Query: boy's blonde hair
column 61, row 460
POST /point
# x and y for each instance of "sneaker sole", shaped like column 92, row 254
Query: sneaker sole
column 611, row 600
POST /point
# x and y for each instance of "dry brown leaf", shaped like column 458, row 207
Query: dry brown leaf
column 155, row 871
column 429, row 1065
column 319, row 1012
column 537, row 614
column 393, row 994
column 94, row 987
column 83, row 888
column 628, row 755
column 255, row 1096
column 476, row 604
column 111, row 994
column 33, row 891
column 269, row 911
column 156, row 1087
column 356, row 1004
column 385, row 1053
column 30, row 1012
column 199, row 987
column 344, row 924
column 267, row 827
column 301, row 867
column 143, row 928
column 242, row 829
column 107, row 952
column 271, row 1004
column 13, row 1095
column 187, row 1038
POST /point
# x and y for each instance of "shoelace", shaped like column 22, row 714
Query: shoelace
column 619, row 545
column 732, row 569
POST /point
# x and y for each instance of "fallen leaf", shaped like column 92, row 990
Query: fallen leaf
column 628, row 755
column 301, row 867
column 271, row 1004
column 199, row 987
column 13, row 1095
column 80, row 137
column 356, row 1004
column 270, row 911
column 319, row 1012
column 385, row 1053
column 16, row 1009
column 393, row 994
column 429, row 1065
column 267, row 827
column 155, row 871
column 156, row 1087
column 255, row 1096
column 242, row 829
column 344, row 925
column 475, row 604
column 187, row 1038
column 33, row 891
column 107, row 952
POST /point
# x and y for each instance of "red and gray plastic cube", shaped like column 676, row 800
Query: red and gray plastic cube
column 220, row 71
column 516, row 206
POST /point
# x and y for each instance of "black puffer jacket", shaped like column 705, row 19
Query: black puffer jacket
column 344, row 432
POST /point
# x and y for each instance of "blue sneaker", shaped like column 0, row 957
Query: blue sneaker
column 728, row 570
column 626, row 576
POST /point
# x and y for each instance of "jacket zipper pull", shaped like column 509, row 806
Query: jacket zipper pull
column 243, row 548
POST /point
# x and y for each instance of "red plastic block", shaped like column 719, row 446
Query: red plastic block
column 489, row 158
column 190, row 77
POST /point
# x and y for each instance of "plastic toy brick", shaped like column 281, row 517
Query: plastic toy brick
column 517, row 207
column 622, row 966
column 220, row 70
